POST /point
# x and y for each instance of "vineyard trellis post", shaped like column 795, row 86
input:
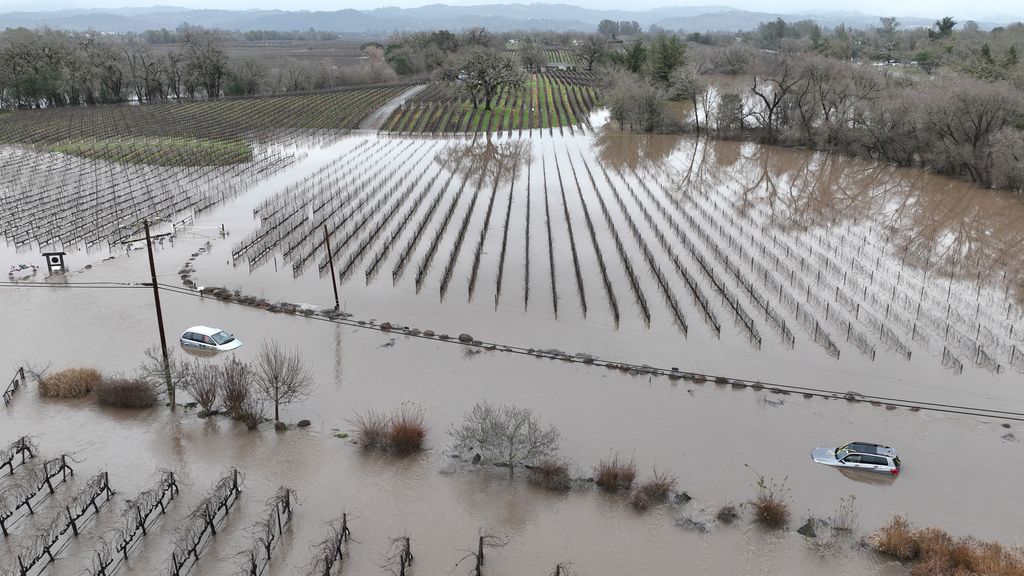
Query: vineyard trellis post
column 159, row 317
column 330, row 260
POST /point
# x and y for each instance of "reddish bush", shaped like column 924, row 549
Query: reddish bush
column 406, row 430
column 123, row 392
column 551, row 473
column 615, row 473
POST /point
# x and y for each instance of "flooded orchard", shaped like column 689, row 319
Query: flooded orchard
column 714, row 310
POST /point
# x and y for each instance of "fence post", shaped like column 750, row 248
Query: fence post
column 71, row 518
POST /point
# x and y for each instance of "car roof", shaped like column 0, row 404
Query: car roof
column 204, row 330
column 871, row 448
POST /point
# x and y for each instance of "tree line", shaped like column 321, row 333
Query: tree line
column 953, row 120
column 45, row 68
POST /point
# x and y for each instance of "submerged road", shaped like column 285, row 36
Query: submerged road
column 375, row 121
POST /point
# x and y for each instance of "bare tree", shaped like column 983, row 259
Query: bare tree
column 772, row 90
column 234, row 385
column 590, row 50
column 175, row 373
column 532, row 56
column 688, row 84
column 483, row 72
column 960, row 119
column 635, row 102
column 246, row 76
column 203, row 383
column 507, row 434
column 206, row 60
column 281, row 376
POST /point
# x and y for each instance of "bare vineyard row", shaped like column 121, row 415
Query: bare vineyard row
column 867, row 287
column 881, row 293
column 273, row 116
column 89, row 175
column 65, row 527
column 683, row 234
column 62, row 201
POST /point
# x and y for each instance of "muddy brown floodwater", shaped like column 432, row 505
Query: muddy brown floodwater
column 703, row 227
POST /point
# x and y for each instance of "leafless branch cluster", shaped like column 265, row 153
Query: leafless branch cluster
column 25, row 487
column 135, row 517
column 399, row 557
column 506, row 434
column 202, row 520
column 281, row 376
column 484, row 542
column 329, row 552
column 265, row 532
column 23, row 447
column 234, row 386
column 203, row 383
column 39, row 549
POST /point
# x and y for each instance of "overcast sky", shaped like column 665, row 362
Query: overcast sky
column 960, row 9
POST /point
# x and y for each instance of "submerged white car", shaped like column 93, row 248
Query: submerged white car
column 860, row 456
column 206, row 338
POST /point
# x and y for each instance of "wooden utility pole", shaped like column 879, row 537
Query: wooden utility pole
column 330, row 260
column 159, row 316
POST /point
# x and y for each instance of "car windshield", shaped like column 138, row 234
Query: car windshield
column 841, row 453
column 222, row 337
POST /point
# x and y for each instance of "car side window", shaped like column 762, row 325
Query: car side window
column 852, row 459
column 876, row 460
column 208, row 340
column 187, row 336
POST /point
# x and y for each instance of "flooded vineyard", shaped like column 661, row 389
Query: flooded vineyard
column 820, row 257
column 592, row 266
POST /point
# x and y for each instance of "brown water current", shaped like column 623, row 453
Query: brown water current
column 729, row 235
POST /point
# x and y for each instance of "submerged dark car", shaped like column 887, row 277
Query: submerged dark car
column 864, row 456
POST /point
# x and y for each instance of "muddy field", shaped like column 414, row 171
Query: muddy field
column 722, row 258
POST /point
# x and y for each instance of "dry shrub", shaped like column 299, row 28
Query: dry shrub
column 930, row 567
column 372, row 429
column 771, row 504
column 406, row 430
column 895, row 539
column 659, row 486
column 939, row 550
column 994, row 558
column 203, row 385
column 936, row 553
column 727, row 514
column 70, row 383
column 963, row 556
column 615, row 473
column 845, row 517
column 933, row 542
column 124, row 392
column 639, row 500
column 551, row 473
column 652, row 491
column 234, row 386
column 251, row 413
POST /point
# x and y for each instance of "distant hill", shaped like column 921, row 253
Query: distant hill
column 735, row 20
column 497, row 17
